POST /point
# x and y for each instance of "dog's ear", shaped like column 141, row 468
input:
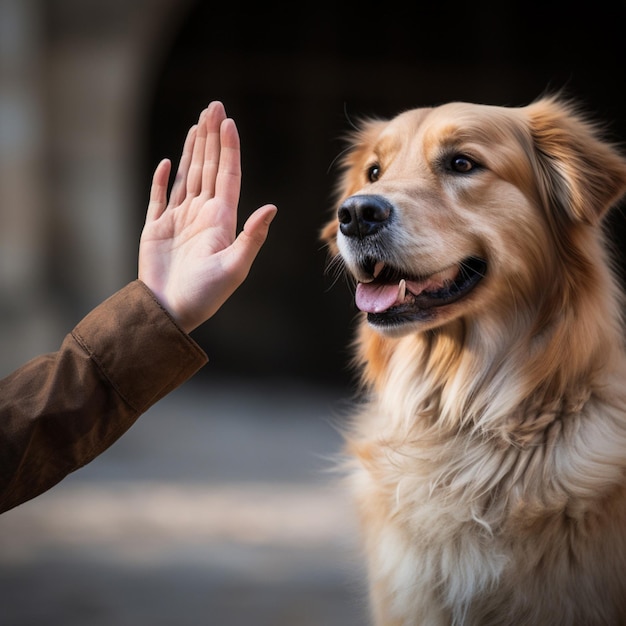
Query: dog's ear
column 583, row 174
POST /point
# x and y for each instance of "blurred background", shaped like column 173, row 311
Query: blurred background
column 218, row 506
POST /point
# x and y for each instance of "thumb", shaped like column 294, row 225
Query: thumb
column 258, row 224
column 250, row 240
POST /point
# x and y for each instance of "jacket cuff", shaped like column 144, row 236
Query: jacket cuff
column 138, row 346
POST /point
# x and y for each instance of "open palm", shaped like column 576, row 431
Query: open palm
column 190, row 255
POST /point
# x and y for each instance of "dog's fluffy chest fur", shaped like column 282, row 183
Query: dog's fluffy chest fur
column 470, row 527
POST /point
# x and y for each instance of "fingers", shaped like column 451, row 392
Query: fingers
column 210, row 164
column 158, row 191
column 206, row 150
column 228, row 179
column 194, row 176
column 212, row 148
column 179, row 188
column 201, row 159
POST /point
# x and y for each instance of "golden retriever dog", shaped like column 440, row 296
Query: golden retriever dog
column 488, row 451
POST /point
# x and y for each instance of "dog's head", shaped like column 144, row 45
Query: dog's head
column 463, row 209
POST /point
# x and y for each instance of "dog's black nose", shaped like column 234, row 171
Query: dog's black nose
column 361, row 216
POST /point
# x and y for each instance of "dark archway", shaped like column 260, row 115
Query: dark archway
column 291, row 76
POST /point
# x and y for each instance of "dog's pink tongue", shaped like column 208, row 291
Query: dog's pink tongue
column 372, row 298
column 378, row 297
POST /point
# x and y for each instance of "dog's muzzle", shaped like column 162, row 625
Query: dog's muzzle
column 390, row 294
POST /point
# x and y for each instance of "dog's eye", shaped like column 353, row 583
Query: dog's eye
column 462, row 164
column 373, row 172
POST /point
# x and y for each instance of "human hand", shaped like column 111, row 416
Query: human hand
column 189, row 254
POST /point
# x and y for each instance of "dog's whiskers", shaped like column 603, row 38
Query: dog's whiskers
column 335, row 268
column 337, row 158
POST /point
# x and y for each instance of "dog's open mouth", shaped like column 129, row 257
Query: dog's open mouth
column 393, row 297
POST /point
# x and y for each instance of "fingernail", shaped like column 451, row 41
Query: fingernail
column 270, row 217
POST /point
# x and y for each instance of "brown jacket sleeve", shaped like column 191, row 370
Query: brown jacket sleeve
column 61, row 410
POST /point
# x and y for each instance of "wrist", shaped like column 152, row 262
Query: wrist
column 166, row 304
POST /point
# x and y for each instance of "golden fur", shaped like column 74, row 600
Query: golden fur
column 489, row 449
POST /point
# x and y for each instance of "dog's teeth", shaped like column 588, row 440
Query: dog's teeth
column 378, row 268
column 401, row 290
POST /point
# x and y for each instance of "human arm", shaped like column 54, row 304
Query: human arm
column 61, row 410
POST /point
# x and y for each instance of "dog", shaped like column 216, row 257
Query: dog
column 487, row 450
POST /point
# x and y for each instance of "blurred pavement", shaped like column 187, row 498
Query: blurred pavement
column 217, row 508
